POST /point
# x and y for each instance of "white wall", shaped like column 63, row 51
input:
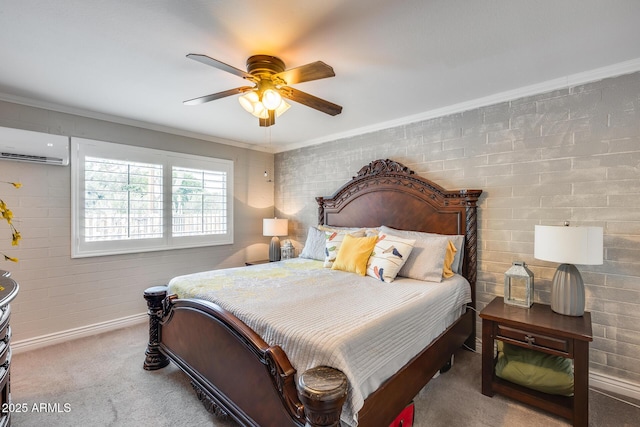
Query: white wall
column 58, row 293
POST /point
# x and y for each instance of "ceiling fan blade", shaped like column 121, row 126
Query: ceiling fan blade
column 204, row 59
column 304, row 73
column 310, row 101
column 214, row 96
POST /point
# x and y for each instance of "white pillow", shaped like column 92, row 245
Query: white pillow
column 388, row 256
column 456, row 239
column 427, row 257
column 314, row 246
column 369, row 231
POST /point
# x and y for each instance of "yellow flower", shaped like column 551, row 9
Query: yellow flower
column 15, row 184
column 7, row 214
column 15, row 238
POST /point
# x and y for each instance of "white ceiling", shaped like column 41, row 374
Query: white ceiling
column 395, row 60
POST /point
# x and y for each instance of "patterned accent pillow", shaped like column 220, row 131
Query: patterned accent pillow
column 388, row 257
column 333, row 241
column 314, row 246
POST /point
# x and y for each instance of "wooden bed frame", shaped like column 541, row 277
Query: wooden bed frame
column 234, row 372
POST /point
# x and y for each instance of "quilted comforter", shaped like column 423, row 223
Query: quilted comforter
column 366, row 328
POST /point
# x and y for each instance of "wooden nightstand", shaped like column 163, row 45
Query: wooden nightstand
column 261, row 261
column 540, row 329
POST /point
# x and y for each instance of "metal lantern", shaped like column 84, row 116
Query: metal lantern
column 518, row 285
column 288, row 251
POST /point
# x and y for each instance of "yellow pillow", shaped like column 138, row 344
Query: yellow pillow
column 448, row 260
column 354, row 254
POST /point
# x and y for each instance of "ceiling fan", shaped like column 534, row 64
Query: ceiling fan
column 271, row 83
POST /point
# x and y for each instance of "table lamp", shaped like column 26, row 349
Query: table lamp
column 568, row 246
column 275, row 227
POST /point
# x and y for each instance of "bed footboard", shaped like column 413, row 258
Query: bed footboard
column 233, row 371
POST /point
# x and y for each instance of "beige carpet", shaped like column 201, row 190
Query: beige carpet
column 99, row 381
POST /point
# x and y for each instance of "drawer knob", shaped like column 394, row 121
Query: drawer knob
column 530, row 339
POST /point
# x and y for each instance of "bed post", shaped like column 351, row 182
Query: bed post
column 153, row 358
column 322, row 391
column 470, row 269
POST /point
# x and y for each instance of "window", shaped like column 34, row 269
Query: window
column 132, row 199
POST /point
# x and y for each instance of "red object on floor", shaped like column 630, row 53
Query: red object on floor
column 405, row 419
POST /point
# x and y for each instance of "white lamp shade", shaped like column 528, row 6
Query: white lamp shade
column 275, row 227
column 248, row 101
column 271, row 99
column 284, row 106
column 568, row 245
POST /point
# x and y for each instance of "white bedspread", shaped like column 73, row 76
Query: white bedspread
column 366, row 328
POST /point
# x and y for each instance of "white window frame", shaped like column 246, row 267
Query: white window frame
column 82, row 148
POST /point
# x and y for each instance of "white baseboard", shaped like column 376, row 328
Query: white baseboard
column 614, row 385
column 72, row 334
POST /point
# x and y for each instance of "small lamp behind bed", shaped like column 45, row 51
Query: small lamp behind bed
column 275, row 227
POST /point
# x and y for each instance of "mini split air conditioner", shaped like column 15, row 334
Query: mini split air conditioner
column 34, row 147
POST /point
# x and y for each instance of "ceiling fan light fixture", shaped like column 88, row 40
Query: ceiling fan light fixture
column 260, row 111
column 249, row 101
column 284, row 106
column 271, row 80
column 271, row 99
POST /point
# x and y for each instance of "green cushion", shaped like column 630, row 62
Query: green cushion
column 535, row 370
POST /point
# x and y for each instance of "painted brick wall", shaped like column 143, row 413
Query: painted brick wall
column 571, row 154
column 58, row 293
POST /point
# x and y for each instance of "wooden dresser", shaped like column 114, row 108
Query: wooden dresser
column 8, row 291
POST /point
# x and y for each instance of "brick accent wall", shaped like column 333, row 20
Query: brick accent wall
column 571, row 154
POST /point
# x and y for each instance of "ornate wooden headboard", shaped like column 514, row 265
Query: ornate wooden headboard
column 385, row 192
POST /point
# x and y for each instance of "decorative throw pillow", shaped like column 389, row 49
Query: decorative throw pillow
column 354, row 254
column 458, row 242
column 333, row 240
column 388, row 257
column 314, row 246
column 427, row 258
column 449, row 256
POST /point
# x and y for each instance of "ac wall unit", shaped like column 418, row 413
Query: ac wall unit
column 34, row 147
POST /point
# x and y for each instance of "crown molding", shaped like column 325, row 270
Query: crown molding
column 569, row 81
column 125, row 121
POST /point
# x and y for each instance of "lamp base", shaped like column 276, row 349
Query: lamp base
column 567, row 291
column 274, row 249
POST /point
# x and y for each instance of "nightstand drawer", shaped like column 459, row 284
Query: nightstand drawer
column 554, row 345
